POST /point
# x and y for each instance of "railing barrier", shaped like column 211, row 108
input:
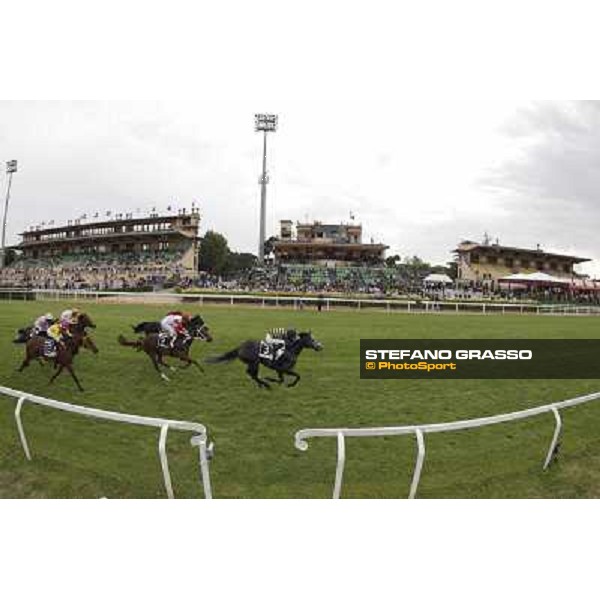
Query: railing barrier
column 199, row 438
column 419, row 432
column 299, row 302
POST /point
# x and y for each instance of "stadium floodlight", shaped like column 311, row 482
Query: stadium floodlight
column 11, row 167
column 267, row 124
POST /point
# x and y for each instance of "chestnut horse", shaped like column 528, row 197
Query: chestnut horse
column 65, row 351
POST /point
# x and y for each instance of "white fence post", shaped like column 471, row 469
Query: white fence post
column 339, row 469
column 555, row 438
column 418, row 464
column 20, row 427
column 164, row 462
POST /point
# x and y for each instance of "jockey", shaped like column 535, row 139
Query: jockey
column 41, row 324
column 70, row 316
column 275, row 342
column 56, row 334
column 175, row 326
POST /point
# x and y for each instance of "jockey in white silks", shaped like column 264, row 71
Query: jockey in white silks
column 69, row 316
column 42, row 323
column 274, row 344
column 175, row 325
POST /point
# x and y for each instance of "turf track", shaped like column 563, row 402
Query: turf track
column 253, row 429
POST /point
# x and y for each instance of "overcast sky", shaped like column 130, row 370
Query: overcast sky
column 420, row 175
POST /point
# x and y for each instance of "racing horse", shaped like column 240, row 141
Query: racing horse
column 35, row 348
column 155, row 327
column 79, row 328
column 152, row 344
column 248, row 352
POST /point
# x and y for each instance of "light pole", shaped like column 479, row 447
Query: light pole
column 11, row 167
column 265, row 123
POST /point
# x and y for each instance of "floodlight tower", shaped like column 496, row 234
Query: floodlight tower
column 11, row 167
column 265, row 123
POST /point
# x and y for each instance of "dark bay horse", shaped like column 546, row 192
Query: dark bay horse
column 248, row 352
column 151, row 344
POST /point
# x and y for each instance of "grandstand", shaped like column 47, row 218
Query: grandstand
column 325, row 257
column 481, row 263
column 326, row 244
column 126, row 252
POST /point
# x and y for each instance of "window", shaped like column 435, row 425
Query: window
column 525, row 263
column 509, row 262
column 492, row 260
column 539, row 265
column 475, row 258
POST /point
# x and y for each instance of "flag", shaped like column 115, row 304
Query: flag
column 108, row 213
column 96, row 216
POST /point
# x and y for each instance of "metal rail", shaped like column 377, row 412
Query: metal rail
column 299, row 302
column 199, row 438
column 419, row 432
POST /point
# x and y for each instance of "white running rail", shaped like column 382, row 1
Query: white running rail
column 389, row 305
column 419, row 431
column 199, row 438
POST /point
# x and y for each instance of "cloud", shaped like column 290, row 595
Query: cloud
column 551, row 186
column 419, row 174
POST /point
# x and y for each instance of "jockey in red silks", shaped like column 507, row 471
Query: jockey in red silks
column 175, row 326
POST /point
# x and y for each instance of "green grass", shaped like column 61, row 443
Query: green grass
column 253, row 429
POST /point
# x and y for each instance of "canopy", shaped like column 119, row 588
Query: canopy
column 534, row 278
column 437, row 278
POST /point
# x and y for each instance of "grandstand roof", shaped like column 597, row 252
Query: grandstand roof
column 468, row 246
column 327, row 244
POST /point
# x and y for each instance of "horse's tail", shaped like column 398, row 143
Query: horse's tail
column 227, row 357
column 137, row 344
column 21, row 337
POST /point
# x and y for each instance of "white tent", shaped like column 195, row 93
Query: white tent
column 437, row 278
column 533, row 278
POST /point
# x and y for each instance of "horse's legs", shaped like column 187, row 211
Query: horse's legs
column 293, row 374
column 70, row 369
column 57, row 373
column 26, row 360
column 188, row 360
column 279, row 379
column 252, row 370
column 156, row 360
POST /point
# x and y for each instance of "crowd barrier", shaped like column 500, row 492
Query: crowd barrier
column 301, row 302
column 199, row 439
column 419, row 431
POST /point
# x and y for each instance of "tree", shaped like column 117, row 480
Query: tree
column 214, row 252
column 452, row 269
column 391, row 261
column 269, row 245
column 10, row 257
column 238, row 262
